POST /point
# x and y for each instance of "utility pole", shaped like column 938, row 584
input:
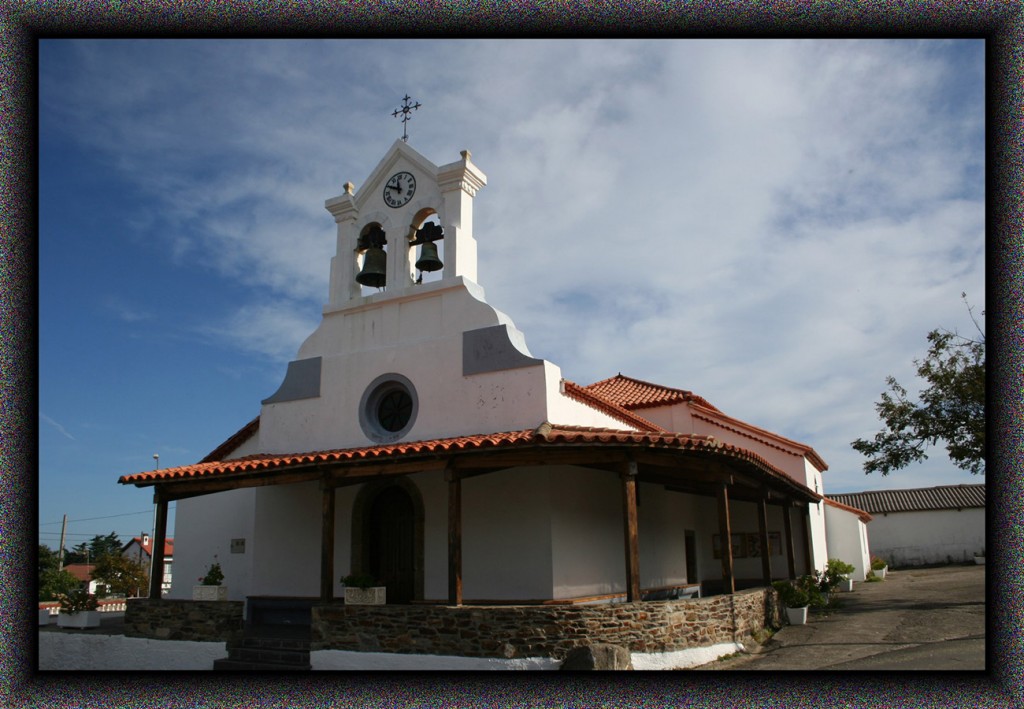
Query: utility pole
column 60, row 555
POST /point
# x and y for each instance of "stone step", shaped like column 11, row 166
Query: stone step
column 227, row 665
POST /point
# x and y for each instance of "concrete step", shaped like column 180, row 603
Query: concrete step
column 227, row 665
column 286, row 657
column 267, row 648
column 258, row 642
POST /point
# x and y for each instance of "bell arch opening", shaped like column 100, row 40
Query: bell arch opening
column 371, row 259
column 426, row 247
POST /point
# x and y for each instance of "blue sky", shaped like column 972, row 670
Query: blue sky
column 774, row 225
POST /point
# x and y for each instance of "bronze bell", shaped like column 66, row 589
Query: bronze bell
column 374, row 272
column 429, row 260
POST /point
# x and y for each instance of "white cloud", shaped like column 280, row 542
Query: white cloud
column 61, row 429
column 773, row 224
column 273, row 330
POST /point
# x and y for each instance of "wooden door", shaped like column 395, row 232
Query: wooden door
column 391, row 543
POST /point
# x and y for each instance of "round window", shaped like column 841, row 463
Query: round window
column 388, row 408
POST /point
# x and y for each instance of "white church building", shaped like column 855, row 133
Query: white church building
column 415, row 438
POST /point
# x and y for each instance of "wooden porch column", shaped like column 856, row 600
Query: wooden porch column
column 156, row 576
column 631, row 531
column 766, row 556
column 454, row 538
column 327, row 543
column 725, row 530
column 787, row 517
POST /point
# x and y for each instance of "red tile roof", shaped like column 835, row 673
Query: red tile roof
column 595, row 401
column 148, row 546
column 231, row 444
column 763, row 435
column 864, row 516
column 633, row 394
column 637, row 394
column 546, row 435
column 82, row 572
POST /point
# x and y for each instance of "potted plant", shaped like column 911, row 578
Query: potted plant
column 363, row 590
column 838, row 574
column 210, row 587
column 979, row 558
column 879, row 567
column 795, row 599
column 78, row 609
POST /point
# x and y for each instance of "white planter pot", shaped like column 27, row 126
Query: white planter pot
column 209, row 593
column 979, row 560
column 880, row 573
column 846, row 585
column 797, row 616
column 81, row 619
column 44, row 616
column 373, row 596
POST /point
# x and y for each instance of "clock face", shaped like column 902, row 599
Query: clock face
column 399, row 189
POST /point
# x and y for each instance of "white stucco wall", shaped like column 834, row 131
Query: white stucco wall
column 506, row 535
column 203, row 529
column 588, row 546
column 819, row 535
column 848, row 540
column 662, row 520
column 286, row 540
column 929, row 537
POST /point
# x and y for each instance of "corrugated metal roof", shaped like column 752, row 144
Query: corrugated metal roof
column 943, row 497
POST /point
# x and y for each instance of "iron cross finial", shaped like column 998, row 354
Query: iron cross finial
column 404, row 111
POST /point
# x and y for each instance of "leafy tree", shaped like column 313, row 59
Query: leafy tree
column 48, row 558
column 54, row 583
column 951, row 409
column 123, row 575
column 52, row 580
column 91, row 551
column 79, row 554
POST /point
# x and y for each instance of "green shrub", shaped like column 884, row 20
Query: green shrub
column 214, row 576
column 77, row 601
column 363, row 581
column 792, row 595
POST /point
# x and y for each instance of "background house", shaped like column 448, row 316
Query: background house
column 83, row 572
column 140, row 549
column 931, row 525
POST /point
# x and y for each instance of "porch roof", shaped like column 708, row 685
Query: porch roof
column 685, row 462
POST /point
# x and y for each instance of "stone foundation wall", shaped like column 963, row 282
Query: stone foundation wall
column 182, row 620
column 543, row 631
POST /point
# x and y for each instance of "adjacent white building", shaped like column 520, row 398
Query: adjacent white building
column 932, row 525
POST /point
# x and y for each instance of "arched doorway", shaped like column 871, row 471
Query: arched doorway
column 391, row 541
column 388, row 537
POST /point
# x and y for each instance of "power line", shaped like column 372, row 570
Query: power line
column 90, row 519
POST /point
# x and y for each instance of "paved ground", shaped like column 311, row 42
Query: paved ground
column 111, row 623
column 916, row 619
